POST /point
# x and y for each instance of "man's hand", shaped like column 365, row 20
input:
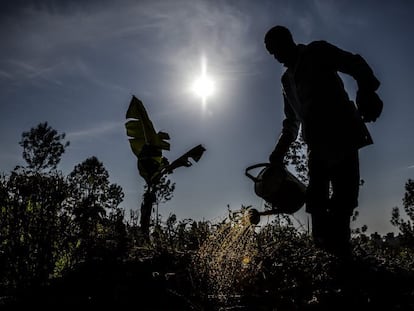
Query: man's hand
column 369, row 105
column 277, row 156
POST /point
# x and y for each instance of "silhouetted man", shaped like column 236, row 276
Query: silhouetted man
column 332, row 127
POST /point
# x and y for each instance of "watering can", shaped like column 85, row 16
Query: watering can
column 277, row 186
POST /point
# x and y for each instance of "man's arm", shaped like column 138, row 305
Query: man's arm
column 289, row 134
column 368, row 102
column 351, row 64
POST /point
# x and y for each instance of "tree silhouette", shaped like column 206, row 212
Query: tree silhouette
column 406, row 227
column 92, row 196
column 43, row 147
column 31, row 200
column 297, row 157
column 30, row 235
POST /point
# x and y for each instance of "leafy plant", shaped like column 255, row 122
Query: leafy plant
column 148, row 146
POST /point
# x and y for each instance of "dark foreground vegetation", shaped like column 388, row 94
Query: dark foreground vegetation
column 290, row 275
column 65, row 242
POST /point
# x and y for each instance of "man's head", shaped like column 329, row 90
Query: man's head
column 280, row 44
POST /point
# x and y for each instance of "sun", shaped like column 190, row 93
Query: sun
column 204, row 85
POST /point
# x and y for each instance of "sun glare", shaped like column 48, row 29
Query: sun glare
column 204, row 85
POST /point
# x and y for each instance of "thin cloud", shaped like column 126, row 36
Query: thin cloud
column 17, row 71
column 93, row 132
column 88, row 74
column 6, row 75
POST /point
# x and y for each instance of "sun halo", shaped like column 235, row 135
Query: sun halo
column 204, row 85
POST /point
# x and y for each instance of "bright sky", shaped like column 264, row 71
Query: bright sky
column 76, row 64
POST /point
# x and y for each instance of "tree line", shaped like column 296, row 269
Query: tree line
column 50, row 222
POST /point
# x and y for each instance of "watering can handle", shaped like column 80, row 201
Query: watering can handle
column 253, row 167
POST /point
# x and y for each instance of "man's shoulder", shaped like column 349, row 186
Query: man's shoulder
column 319, row 44
column 318, row 51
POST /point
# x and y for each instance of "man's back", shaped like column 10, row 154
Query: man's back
column 316, row 92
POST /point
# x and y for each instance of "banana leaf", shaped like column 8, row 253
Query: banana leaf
column 142, row 130
column 147, row 145
column 145, row 142
column 195, row 153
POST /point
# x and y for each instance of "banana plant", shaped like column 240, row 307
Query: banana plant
column 148, row 146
